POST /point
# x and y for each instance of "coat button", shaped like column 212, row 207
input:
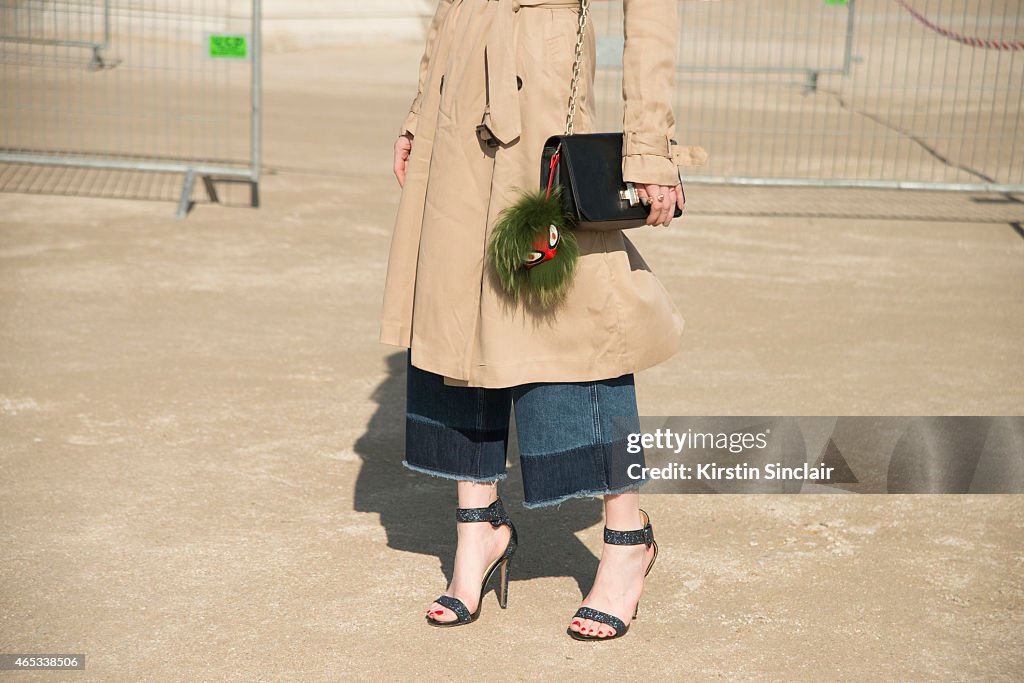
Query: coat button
column 519, row 83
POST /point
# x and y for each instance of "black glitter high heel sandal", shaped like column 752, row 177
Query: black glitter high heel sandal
column 495, row 514
column 643, row 535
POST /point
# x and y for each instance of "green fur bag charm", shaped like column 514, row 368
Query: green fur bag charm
column 533, row 248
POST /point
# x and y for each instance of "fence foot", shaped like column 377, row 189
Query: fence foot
column 97, row 63
column 185, row 201
column 211, row 189
column 811, row 84
column 254, row 195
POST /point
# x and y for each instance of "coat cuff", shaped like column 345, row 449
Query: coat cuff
column 648, row 159
column 409, row 125
column 635, row 142
column 654, row 159
column 649, row 169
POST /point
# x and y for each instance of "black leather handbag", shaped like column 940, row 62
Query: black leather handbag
column 588, row 168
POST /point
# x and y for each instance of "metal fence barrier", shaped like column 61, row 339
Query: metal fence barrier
column 921, row 94
column 168, row 85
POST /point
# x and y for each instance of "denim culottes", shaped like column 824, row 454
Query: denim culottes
column 567, row 445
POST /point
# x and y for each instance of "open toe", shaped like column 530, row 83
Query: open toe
column 495, row 514
column 595, row 624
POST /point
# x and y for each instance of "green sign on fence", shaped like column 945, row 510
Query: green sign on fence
column 228, row 46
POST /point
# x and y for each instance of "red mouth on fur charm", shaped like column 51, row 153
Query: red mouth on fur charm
column 544, row 249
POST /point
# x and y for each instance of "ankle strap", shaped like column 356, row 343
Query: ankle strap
column 493, row 513
column 644, row 535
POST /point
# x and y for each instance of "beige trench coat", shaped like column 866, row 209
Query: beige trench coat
column 494, row 83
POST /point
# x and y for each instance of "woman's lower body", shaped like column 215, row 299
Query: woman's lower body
column 571, row 435
column 571, row 438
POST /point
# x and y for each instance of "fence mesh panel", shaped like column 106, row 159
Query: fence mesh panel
column 163, row 85
column 887, row 93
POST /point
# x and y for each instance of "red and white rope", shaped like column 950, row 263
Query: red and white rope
column 973, row 41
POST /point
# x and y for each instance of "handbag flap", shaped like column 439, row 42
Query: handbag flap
column 592, row 163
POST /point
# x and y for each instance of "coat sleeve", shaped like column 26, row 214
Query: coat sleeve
column 409, row 125
column 651, row 29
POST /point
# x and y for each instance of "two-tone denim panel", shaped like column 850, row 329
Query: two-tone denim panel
column 566, row 439
column 564, row 431
column 452, row 431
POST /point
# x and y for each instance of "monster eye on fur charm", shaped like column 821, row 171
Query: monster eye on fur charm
column 533, row 248
column 544, row 248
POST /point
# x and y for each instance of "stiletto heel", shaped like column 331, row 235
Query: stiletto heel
column 503, row 594
column 637, row 608
column 643, row 535
column 495, row 514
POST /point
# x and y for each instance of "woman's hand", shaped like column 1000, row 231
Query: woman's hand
column 403, row 147
column 662, row 209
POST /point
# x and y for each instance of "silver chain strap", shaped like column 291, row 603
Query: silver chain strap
column 584, row 6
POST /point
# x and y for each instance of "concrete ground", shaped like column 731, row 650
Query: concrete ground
column 202, row 435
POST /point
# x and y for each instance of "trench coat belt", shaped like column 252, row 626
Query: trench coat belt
column 501, row 113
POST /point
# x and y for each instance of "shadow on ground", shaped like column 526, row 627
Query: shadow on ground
column 417, row 511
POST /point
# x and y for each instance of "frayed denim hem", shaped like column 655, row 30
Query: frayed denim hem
column 580, row 494
column 454, row 476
